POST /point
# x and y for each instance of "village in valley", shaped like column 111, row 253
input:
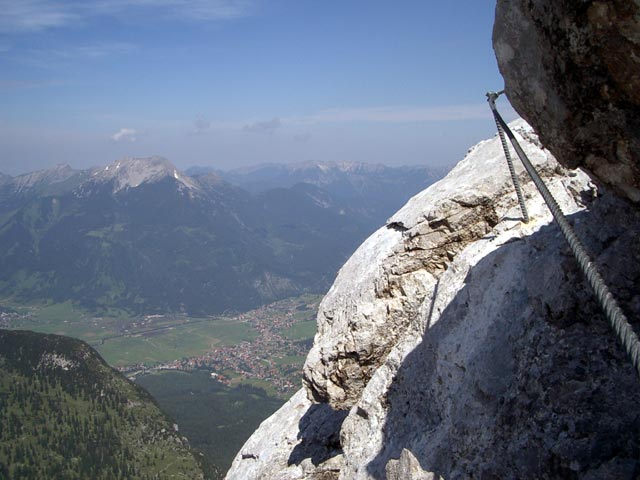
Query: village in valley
column 285, row 332
column 265, row 347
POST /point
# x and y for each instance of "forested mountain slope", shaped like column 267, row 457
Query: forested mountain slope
column 141, row 236
column 65, row 414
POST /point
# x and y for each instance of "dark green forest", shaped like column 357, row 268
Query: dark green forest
column 201, row 406
column 65, row 414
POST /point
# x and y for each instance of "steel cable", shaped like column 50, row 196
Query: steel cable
column 614, row 314
column 491, row 97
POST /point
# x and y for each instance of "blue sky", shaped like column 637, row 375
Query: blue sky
column 228, row 83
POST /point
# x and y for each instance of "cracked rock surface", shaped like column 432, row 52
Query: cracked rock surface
column 459, row 343
column 381, row 289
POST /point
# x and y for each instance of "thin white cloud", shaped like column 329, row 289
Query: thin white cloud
column 395, row 114
column 34, row 15
column 125, row 134
column 268, row 127
column 19, row 16
column 11, row 84
column 96, row 50
column 201, row 124
column 193, row 9
column 46, row 58
column 302, row 137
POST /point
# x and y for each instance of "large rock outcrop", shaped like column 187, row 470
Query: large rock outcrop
column 380, row 291
column 572, row 70
column 458, row 342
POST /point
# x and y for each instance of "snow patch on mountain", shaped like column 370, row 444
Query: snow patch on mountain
column 131, row 172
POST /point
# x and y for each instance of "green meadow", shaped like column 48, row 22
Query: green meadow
column 123, row 340
column 175, row 342
column 304, row 330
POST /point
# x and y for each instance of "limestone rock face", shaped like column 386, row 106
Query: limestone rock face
column 509, row 377
column 301, row 440
column 459, row 343
column 381, row 290
column 408, row 467
column 572, row 70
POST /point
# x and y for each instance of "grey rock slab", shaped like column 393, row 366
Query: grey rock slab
column 379, row 291
column 572, row 70
column 459, row 342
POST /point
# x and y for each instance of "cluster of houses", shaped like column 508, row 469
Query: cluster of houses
column 272, row 356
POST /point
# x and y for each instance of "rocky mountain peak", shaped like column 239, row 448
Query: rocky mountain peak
column 355, row 167
column 343, row 167
column 56, row 174
column 131, row 172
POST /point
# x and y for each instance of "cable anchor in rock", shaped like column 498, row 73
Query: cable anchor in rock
column 491, row 98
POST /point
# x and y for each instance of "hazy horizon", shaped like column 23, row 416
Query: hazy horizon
column 227, row 169
column 231, row 83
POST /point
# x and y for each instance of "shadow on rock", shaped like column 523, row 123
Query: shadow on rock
column 521, row 377
column 319, row 430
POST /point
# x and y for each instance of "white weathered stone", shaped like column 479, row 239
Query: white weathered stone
column 407, row 467
column 299, row 441
column 381, row 288
column 452, row 354
column 266, row 455
column 470, row 340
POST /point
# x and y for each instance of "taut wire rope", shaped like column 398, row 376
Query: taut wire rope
column 616, row 318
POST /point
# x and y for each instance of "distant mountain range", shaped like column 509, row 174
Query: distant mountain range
column 141, row 235
column 373, row 190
